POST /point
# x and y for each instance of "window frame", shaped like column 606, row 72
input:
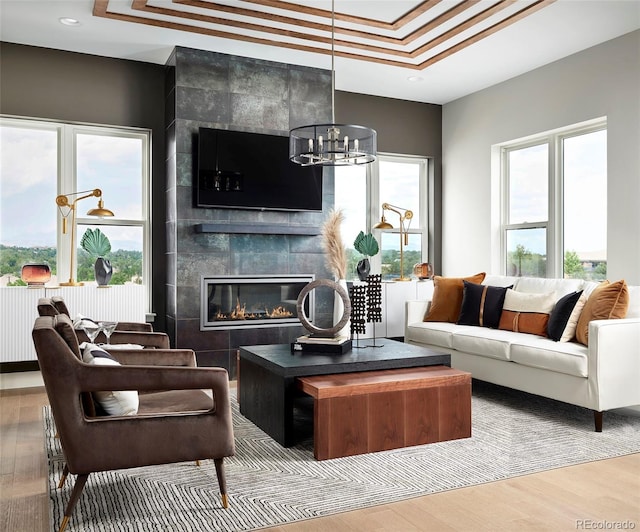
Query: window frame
column 374, row 202
column 66, row 183
column 554, row 225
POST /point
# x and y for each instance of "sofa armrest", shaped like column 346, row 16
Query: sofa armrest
column 614, row 362
column 415, row 311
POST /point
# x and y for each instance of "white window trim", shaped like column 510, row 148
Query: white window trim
column 66, row 183
column 374, row 210
column 554, row 224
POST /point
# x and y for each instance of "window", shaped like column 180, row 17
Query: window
column 360, row 191
column 43, row 159
column 549, row 182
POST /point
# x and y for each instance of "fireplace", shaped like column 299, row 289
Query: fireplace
column 243, row 301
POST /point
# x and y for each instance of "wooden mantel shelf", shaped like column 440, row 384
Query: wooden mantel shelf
column 259, row 229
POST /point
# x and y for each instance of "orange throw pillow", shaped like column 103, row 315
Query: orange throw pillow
column 447, row 297
column 608, row 301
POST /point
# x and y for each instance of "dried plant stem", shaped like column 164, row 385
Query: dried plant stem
column 336, row 255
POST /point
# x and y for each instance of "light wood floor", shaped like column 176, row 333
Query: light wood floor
column 593, row 496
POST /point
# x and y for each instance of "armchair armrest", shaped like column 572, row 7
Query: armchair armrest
column 134, row 326
column 153, row 378
column 614, row 362
column 157, row 340
column 154, row 357
column 153, row 340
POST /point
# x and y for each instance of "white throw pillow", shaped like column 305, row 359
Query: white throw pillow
column 570, row 329
column 123, row 403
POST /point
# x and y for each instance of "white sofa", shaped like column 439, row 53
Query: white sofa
column 603, row 376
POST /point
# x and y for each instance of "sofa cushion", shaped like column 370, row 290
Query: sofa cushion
column 526, row 313
column 438, row 333
column 500, row 280
column 537, row 285
column 447, row 297
column 481, row 305
column 608, row 301
column 491, row 343
column 543, row 353
column 560, row 315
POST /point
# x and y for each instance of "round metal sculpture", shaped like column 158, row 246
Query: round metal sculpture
column 327, row 333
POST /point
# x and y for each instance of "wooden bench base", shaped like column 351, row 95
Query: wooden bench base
column 357, row 413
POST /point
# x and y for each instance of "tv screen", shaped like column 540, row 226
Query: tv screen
column 253, row 171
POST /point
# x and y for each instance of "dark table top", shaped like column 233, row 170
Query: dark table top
column 392, row 354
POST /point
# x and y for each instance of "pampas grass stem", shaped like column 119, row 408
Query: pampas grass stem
column 336, row 254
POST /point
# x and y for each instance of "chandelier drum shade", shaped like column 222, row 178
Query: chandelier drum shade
column 332, row 145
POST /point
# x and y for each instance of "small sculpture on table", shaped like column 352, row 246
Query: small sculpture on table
column 366, row 307
column 323, row 340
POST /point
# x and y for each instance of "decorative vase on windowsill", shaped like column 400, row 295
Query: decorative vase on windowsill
column 96, row 244
column 366, row 245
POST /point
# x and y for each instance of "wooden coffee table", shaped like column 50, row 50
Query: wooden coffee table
column 268, row 373
column 369, row 411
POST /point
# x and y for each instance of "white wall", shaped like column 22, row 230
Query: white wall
column 601, row 81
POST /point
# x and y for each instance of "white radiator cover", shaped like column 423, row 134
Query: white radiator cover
column 18, row 311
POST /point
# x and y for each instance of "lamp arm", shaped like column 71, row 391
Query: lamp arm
column 63, row 199
column 404, row 214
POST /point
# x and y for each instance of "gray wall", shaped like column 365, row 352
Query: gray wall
column 207, row 89
column 601, row 81
column 56, row 85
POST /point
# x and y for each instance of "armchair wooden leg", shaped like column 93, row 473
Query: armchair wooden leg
column 75, row 495
column 198, row 463
column 222, row 481
column 597, row 418
column 63, row 478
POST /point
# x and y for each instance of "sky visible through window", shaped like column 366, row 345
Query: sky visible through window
column 585, row 194
column 28, row 182
column 399, row 186
column 28, row 171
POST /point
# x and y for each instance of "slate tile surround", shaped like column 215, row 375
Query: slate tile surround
column 208, row 89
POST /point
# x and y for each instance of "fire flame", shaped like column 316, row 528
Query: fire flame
column 240, row 313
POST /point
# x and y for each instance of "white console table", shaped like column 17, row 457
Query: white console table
column 394, row 296
column 18, row 311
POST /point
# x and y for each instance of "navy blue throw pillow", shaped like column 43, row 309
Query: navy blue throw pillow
column 482, row 305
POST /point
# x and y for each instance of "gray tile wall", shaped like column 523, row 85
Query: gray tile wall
column 206, row 89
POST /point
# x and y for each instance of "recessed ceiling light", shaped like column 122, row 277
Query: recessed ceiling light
column 68, row 21
column 414, row 79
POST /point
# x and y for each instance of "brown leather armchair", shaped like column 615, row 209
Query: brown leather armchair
column 176, row 420
column 125, row 333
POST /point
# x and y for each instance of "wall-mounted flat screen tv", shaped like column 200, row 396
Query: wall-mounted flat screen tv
column 252, row 171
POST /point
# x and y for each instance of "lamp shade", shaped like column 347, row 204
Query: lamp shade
column 383, row 224
column 332, row 145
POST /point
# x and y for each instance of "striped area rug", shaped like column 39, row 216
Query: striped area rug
column 513, row 434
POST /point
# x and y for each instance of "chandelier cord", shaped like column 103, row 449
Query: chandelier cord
column 333, row 59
